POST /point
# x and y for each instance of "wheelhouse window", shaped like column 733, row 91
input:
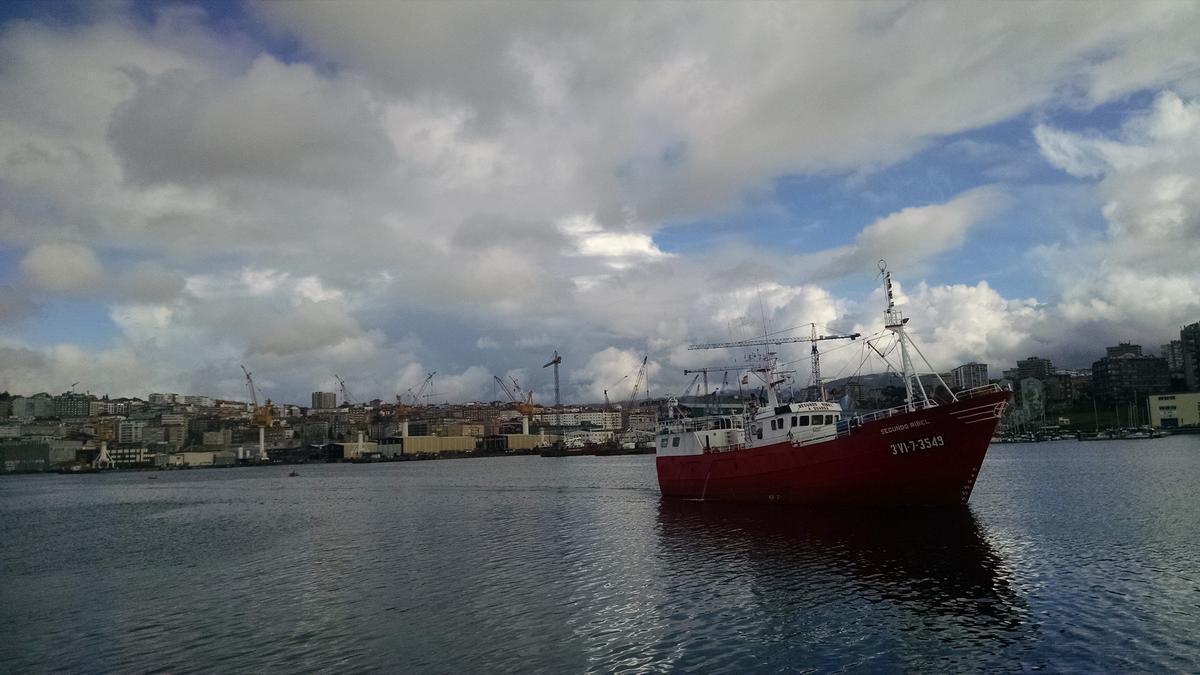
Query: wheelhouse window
column 829, row 419
column 804, row 420
column 664, row 441
column 793, row 420
column 675, row 442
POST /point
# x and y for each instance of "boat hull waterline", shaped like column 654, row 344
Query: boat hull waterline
column 925, row 457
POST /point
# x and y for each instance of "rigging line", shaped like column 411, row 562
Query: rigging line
column 826, row 327
column 861, row 363
column 792, row 328
column 895, row 342
column 763, row 312
column 827, row 351
column 838, row 374
column 857, row 371
column 834, row 329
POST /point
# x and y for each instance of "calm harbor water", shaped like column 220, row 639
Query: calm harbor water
column 1072, row 556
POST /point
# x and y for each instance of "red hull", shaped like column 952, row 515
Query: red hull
column 925, row 457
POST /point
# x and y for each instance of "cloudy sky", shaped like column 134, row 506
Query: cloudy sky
column 381, row 190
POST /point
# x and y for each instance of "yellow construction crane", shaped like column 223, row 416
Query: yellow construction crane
column 259, row 415
column 522, row 400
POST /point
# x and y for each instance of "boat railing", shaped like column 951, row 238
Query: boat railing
column 686, row 424
column 974, row 392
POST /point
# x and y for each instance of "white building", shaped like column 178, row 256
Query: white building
column 130, row 431
column 970, row 375
column 128, row 455
column 596, row 419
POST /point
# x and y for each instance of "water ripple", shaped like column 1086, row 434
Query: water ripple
column 1071, row 558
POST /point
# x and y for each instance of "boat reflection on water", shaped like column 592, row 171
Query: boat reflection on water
column 936, row 563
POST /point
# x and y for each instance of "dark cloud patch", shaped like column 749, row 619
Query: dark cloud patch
column 483, row 232
column 14, row 305
column 274, row 123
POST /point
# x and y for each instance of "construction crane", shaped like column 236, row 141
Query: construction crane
column 504, row 387
column 260, row 416
column 523, row 401
column 627, row 409
column 637, row 384
column 817, row 384
column 703, row 372
column 608, row 403
column 360, row 416
column 513, row 391
column 420, row 389
column 557, row 399
column 754, row 366
column 346, row 397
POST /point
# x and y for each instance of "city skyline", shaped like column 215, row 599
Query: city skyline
column 318, row 188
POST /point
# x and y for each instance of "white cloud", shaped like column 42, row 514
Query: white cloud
column 1140, row 279
column 960, row 323
column 911, row 236
column 615, row 370
column 63, row 268
column 422, row 185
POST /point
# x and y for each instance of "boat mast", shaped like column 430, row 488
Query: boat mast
column 817, row 383
column 894, row 320
column 772, row 397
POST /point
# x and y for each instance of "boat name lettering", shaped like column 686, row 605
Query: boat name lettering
column 902, row 427
column 905, row 447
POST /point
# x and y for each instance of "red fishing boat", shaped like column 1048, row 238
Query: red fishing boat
column 924, row 452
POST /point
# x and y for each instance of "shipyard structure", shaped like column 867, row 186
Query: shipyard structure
column 83, row 432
